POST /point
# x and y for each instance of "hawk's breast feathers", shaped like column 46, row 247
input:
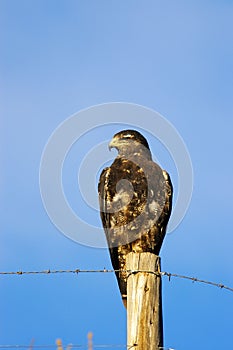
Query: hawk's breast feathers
column 135, row 197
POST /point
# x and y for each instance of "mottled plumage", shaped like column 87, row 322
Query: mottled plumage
column 135, row 197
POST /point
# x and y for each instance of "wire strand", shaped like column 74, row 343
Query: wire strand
column 77, row 271
column 73, row 346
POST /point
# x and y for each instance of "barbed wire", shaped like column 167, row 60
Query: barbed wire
column 73, row 346
column 69, row 346
column 77, row 271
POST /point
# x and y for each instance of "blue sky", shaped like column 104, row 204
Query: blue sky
column 59, row 57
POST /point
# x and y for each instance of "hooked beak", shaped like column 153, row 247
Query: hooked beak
column 112, row 144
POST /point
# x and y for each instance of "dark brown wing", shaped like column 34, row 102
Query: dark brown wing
column 135, row 203
column 104, row 195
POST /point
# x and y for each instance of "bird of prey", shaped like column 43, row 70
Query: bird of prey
column 135, row 197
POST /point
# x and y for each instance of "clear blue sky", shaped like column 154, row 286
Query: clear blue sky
column 58, row 57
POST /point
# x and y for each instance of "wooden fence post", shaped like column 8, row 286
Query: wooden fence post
column 90, row 340
column 144, row 302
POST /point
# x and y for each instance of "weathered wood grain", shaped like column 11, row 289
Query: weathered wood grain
column 144, row 302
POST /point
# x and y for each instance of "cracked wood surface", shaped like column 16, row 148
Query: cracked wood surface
column 144, row 302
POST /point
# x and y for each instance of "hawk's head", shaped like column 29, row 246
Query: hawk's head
column 128, row 142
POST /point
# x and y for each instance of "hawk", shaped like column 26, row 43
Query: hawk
column 135, row 197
